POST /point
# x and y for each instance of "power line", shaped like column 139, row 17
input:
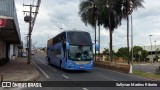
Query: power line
column 31, row 24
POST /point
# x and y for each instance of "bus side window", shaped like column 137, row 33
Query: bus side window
column 57, row 52
column 52, row 53
column 64, row 52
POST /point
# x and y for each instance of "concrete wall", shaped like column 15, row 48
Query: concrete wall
column 11, row 51
column 2, row 49
column 15, row 50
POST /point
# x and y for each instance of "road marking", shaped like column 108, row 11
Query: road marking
column 41, row 70
column 107, row 78
column 126, row 74
column 42, row 61
column 65, row 76
column 47, row 65
column 51, row 67
column 85, row 88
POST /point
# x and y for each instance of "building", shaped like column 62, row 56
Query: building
column 153, row 51
column 10, row 38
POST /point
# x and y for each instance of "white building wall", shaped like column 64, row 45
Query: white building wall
column 11, row 51
column 148, row 48
column 16, row 50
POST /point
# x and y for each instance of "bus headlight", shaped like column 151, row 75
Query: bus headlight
column 91, row 62
column 71, row 63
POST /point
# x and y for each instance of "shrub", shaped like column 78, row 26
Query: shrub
column 3, row 61
column 158, row 70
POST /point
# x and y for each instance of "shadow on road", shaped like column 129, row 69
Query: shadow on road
column 71, row 71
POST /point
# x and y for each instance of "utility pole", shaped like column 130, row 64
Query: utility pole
column 151, row 47
column 151, row 43
column 31, row 24
column 94, row 18
column 155, row 47
column 99, row 42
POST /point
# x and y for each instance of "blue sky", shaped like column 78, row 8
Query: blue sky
column 56, row 14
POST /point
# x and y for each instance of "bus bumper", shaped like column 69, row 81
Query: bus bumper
column 79, row 67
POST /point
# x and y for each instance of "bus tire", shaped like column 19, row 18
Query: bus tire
column 49, row 62
column 60, row 64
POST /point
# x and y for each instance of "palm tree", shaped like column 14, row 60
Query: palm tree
column 111, row 16
column 88, row 13
column 127, row 7
column 108, row 12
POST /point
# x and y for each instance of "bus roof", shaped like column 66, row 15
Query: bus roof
column 74, row 31
column 50, row 41
column 71, row 40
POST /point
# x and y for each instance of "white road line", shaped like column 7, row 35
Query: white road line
column 41, row 70
column 51, row 68
column 47, row 65
column 42, row 61
column 65, row 76
column 107, row 78
column 126, row 74
column 85, row 88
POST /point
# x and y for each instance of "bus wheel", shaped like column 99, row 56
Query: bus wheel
column 49, row 62
column 60, row 64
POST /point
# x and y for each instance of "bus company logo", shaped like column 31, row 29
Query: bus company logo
column 6, row 84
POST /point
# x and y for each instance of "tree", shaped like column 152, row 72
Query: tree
column 88, row 13
column 144, row 53
column 108, row 12
column 106, row 51
column 122, row 52
column 110, row 16
column 127, row 7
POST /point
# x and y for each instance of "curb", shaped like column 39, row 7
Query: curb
column 37, row 74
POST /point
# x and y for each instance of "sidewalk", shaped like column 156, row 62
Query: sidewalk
column 19, row 70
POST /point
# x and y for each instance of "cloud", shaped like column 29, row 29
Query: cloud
column 56, row 14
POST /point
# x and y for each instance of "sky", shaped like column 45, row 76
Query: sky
column 56, row 16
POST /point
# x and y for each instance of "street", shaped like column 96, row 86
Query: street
column 52, row 73
column 150, row 68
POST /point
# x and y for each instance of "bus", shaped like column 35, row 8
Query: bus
column 71, row 50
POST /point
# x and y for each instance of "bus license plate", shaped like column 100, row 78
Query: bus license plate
column 81, row 67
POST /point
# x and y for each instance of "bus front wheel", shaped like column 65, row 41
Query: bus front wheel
column 60, row 64
column 49, row 62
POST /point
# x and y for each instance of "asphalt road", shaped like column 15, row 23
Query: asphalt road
column 52, row 73
column 146, row 67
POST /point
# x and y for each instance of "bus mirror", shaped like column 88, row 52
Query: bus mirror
column 67, row 45
column 97, row 46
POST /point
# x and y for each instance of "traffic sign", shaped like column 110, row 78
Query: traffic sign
column 2, row 22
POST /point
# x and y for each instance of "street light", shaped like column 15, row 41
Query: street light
column 155, row 46
column 151, row 43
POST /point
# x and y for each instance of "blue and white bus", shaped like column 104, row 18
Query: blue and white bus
column 71, row 50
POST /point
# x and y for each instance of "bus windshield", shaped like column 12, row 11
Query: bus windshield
column 76, row 38
column 80, row 53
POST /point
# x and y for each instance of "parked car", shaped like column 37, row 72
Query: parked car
column 24, row 54
column 32, row 53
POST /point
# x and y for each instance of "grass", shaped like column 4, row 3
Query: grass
column 151, row 76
